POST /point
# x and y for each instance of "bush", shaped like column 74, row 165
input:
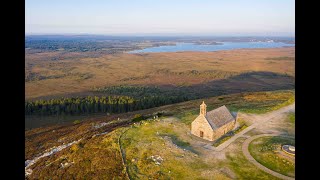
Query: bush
column 292, row 117
column 74, row 148
column 221, row 140
column 76, row 121
column 240, row 129
column 137, row 118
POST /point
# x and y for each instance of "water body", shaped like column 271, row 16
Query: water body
column 225, row 46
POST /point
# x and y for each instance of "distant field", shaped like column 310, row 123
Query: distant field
column 56, row 74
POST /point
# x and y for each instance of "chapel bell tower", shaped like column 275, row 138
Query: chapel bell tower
column 203, row 109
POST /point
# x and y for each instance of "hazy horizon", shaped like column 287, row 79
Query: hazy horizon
column 161, row 18
column 156, row 35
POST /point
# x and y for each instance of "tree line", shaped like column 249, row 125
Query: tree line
column 95, row 104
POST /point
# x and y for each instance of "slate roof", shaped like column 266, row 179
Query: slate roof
column 219, row 117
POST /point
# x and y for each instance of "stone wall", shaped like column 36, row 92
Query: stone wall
column 201, row 124
column 223, row 130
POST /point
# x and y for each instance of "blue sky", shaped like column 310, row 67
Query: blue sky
column 161, row 17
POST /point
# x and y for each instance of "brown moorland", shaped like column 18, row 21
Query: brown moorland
column 46, row 77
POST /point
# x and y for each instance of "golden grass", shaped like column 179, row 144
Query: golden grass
column 155, row 139
column 153, row 68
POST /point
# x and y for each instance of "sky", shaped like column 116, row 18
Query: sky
column 161, row 17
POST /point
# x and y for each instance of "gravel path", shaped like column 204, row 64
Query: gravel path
column 259, row 120
column 247, row 154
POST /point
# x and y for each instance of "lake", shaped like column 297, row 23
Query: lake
column 225, row 46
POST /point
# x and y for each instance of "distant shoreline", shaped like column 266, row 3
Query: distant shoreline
column 210, row 46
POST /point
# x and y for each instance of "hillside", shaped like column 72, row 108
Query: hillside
column 94, row 143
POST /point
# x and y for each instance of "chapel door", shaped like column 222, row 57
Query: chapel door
column 201, row 134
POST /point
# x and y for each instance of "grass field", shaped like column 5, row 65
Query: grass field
column 242, row 167
column 182, row 160
column 177, row 159
column 214, row 72
column 266, row 150
column 272, row 101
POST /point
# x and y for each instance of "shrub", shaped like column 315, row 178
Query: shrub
column 137, row 118
column 74, row 148
column 240, row 128
column 76, row 121
column 292, row 118
column 221, row 140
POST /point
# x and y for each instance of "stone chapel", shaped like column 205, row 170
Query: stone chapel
column 213, row 124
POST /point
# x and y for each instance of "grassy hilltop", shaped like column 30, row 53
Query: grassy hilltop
column 156, row 149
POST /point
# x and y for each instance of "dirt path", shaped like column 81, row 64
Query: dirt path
column 123, row 155
column 258, row 121
column 247, row 154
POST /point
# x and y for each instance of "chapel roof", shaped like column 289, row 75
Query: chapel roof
column 219, row 117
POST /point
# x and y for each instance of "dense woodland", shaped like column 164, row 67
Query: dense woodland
column 104, row 104
column 132, row 91
column 118, row 99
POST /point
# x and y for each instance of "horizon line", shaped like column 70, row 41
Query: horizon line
column 156, row 34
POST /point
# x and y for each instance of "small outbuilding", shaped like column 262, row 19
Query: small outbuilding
column 213, row 124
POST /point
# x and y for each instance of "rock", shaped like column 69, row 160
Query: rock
column 157, row 159
column 27, row 162
column 64, row 165
column 28, row 172
column 100, row 125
